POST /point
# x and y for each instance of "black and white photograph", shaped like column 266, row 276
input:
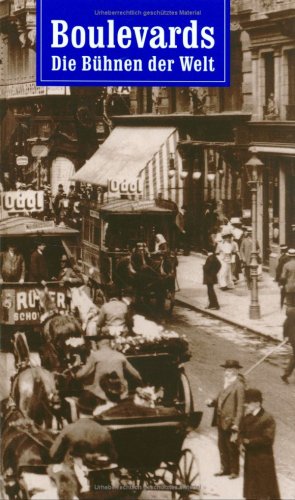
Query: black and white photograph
column 147, row 276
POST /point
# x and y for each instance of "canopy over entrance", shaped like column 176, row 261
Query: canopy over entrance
column 123, row 155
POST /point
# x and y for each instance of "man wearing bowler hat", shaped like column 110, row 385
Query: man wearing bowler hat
column 257, row 433
column 229, row 407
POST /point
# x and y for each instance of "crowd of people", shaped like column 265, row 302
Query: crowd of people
column 229, row 256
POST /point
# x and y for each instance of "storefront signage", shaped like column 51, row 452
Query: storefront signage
column 21, row 306
column 119, row 90
column 22, row 161
column 15, row 202
column 125, row 187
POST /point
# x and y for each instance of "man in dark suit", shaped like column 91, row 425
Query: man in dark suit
column 229, row 407
column 284, row 257
column 211, row 269
column 257, row 437
column 38, row 264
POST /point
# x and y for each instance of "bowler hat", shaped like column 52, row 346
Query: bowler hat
column 96, row 461
column 231, row 363
column 253, row 395
column 291, row 252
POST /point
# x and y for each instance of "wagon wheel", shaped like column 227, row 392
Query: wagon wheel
column 186, row 480
column 184, row 394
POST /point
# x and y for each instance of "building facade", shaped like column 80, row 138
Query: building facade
column 58, row 128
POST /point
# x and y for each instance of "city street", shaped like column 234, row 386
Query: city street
column 212, row 342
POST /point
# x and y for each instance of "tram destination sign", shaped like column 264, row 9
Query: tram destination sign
column 19, row 305
column 21, row 202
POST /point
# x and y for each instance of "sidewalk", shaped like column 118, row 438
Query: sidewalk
column 234, row 304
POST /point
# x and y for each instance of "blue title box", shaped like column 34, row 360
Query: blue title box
column 144, row 42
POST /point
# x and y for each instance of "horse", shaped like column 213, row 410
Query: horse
column 24, row 447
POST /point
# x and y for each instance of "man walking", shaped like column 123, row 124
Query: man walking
column 229, row 407
column 288, row 278
column 284, row 257
column 245, row 252
column 289, row 332
column 211, row 269
column 257, row 437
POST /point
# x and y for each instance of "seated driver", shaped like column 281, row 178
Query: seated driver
column 103, row 363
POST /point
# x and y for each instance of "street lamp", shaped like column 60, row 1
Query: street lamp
column 252, row 168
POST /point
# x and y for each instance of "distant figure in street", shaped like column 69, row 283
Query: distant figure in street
column 226, row 249
column 210, row 269
column 38, row 264
column 160, row 244
column 236, row 229
column 257, row 436
column 245, row 253
column 288, row 278
column 58, row 197
column 12, row 265
column 228, row 412
column 289, row 332
column 284, row 257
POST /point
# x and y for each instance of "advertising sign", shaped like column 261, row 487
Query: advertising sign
column 19, row 306
column 151, row 42
column 20, row 202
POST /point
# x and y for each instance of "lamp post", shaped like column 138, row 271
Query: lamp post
column 252, row 167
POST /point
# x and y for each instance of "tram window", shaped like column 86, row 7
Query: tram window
column 86, row 234
column 96, row 234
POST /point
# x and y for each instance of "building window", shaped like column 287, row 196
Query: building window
column 269, row 83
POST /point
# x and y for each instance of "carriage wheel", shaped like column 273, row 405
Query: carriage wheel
column 186, row 480
column 184, row 394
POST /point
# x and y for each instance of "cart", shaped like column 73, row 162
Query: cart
column 110, row 234
column 149, row 441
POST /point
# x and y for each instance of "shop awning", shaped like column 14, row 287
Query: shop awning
column 123, row 207
column 123, row 155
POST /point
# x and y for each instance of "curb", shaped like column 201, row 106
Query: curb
column 224, row 318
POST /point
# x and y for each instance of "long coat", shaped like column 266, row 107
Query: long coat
column 38, row 267
column 211, row 268
column 260, row 479
column 229, row 406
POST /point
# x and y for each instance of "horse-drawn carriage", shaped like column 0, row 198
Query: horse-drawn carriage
column 148, row 433
column 118, row 246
